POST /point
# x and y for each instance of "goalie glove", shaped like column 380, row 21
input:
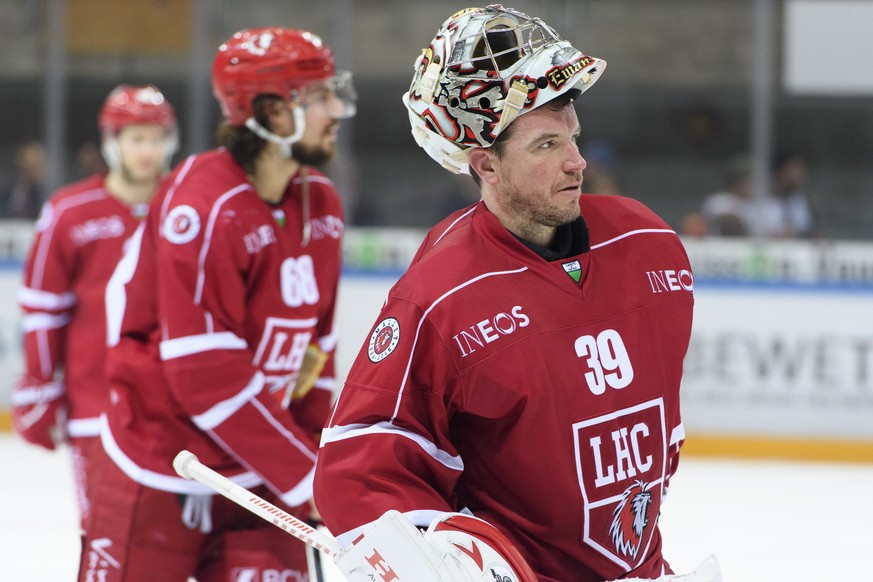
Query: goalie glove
column 39, row 411
column 708, row 571
column 456, row 547
column 314, row 360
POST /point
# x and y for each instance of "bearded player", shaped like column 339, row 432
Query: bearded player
column 220, row 325
column 79, row 238
column 519, row 394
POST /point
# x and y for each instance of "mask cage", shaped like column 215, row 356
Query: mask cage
column 501, row 43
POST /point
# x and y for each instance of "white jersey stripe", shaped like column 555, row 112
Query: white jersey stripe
column 427, row 312
column 226, row 408
column 195, row 344
column 37, row 394
column 35, row 321
column 452, row 225
column 45, row 240
column 271, row 420
column 325, row 383
column 632, row 233
column 207, row 237
column 338, row 433
column 84, row 427
column 302, row 492
column 160, row 481
column 116, row 294
column 38, row 299
column 678, row 435
column 189, row 161
column 328, row 342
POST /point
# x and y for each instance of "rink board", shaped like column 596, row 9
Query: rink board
column 780, row 363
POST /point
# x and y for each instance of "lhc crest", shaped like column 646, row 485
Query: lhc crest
column 621, row 464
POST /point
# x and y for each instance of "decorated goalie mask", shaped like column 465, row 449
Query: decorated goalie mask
column 485, row 67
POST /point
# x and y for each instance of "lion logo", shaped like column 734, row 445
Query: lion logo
column 630, row 519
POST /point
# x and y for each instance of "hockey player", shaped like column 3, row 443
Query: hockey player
column 79, row 238
column 519, row 394
column 220, row 317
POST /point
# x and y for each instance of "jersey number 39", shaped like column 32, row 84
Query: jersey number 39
column 607, row 361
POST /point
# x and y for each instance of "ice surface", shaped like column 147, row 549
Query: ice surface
column 766, row 521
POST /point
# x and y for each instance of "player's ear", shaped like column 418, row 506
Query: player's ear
column 483, row 163
column 277, row 113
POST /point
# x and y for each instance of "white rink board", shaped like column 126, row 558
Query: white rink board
column 10, row 331
column 782, row 343
column 780, row 363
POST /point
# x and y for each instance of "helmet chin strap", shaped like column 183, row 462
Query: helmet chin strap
column 284, row 143
column 112, row 151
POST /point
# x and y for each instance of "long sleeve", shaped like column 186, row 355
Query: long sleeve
column 392, row 415
column 47, row 298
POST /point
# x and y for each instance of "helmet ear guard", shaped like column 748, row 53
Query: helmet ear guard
column 447, row 153
column 484, row 68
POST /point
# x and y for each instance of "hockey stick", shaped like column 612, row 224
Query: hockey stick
column 187, row 466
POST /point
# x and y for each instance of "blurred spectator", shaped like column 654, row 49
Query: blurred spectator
column 89, row 160
column 788, row 212
column 457, row 194
column 731, row 211
column 694, row 225
column 599, row 176
column 24, row 197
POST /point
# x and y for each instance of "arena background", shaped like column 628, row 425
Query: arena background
column 781, row 363
column 782, row 356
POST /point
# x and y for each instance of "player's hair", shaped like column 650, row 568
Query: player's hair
column 243, row 145
column 499, row 145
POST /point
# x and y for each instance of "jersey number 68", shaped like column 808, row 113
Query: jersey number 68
column 298, row 281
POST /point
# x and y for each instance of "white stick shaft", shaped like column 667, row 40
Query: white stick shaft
column 187, row 465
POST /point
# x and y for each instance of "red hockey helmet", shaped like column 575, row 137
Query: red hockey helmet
column 135, row 105
column 270, row 60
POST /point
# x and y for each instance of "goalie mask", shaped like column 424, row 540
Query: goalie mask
column 485, row 67
column 281, row 62
column 135, row 105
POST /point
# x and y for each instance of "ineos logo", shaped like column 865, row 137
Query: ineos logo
column 670, row 280
column 489, row 330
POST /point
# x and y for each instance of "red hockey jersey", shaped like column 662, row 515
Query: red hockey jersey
column 542, row 396
column 78, row 241
column 209, row 314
